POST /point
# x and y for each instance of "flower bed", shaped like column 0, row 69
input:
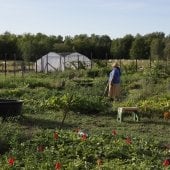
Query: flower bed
column 80, row 150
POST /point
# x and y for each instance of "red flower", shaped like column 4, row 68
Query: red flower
column 40, row 148
column 84, row 137
column 55, row 135
column 114, row 133
column 58, row 166
column 11, row 161
column 166, row 162
column 128, row 140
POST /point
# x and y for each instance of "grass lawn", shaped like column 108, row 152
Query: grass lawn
column 154, row 128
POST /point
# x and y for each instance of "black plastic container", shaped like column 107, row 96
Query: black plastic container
column 10, row 108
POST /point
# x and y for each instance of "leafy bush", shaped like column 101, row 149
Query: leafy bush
column 98, row 72
column 90, row 104
column 78, row 103
column 10, row 82
column 92, row 73
column 130, row 68
column 155, row 74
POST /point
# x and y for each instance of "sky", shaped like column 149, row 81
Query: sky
column 115, row 18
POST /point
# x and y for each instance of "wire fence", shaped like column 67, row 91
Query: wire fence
column 21, row 67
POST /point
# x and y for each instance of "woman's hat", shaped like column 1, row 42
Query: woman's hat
column 115, row 64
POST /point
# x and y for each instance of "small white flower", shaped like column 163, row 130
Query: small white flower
column 81, row 133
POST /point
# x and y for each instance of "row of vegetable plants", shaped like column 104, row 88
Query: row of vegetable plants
column 54, row 149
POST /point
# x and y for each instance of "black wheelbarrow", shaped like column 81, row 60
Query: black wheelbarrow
column 10, row 108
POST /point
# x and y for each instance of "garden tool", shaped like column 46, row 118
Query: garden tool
column 106, row 89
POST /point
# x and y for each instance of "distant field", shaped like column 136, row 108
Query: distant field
column 140, row 63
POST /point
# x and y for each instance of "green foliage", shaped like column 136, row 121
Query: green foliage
column 120, row 48
column 129, row 68
column 98, row 72
column 30, row 140
column 157, row 48
column 139, row 48
column 30, row 47
column 69, row 74
column 156, row 105
column 34, row 83
column 78, row 103
column 100, row 63
column 44, row 151
column 9, row 83
column 93, row 73
column 156, row 73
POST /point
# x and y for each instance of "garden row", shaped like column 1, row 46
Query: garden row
column 50, row 149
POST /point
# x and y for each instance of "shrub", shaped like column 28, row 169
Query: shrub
column 93, row 73
column 78, row 103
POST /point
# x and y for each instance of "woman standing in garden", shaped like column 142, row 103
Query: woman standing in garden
column 114, row 82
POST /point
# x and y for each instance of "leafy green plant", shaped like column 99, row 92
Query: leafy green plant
column 72, row 151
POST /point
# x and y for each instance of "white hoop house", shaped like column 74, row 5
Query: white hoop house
column 60, row 61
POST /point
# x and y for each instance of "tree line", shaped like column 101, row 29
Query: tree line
column 30, row 47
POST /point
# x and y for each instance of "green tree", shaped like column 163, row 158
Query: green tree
column 81, row 44
column 26, row 46
column 120, row 47
column 61, row 47
column 8, row 45
column 116, row 48
column 68, row 41
column 126, row 43
column 34, row 46
column 138, row 49
column 100, row 46
column 167, row 53
column 157, row 48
